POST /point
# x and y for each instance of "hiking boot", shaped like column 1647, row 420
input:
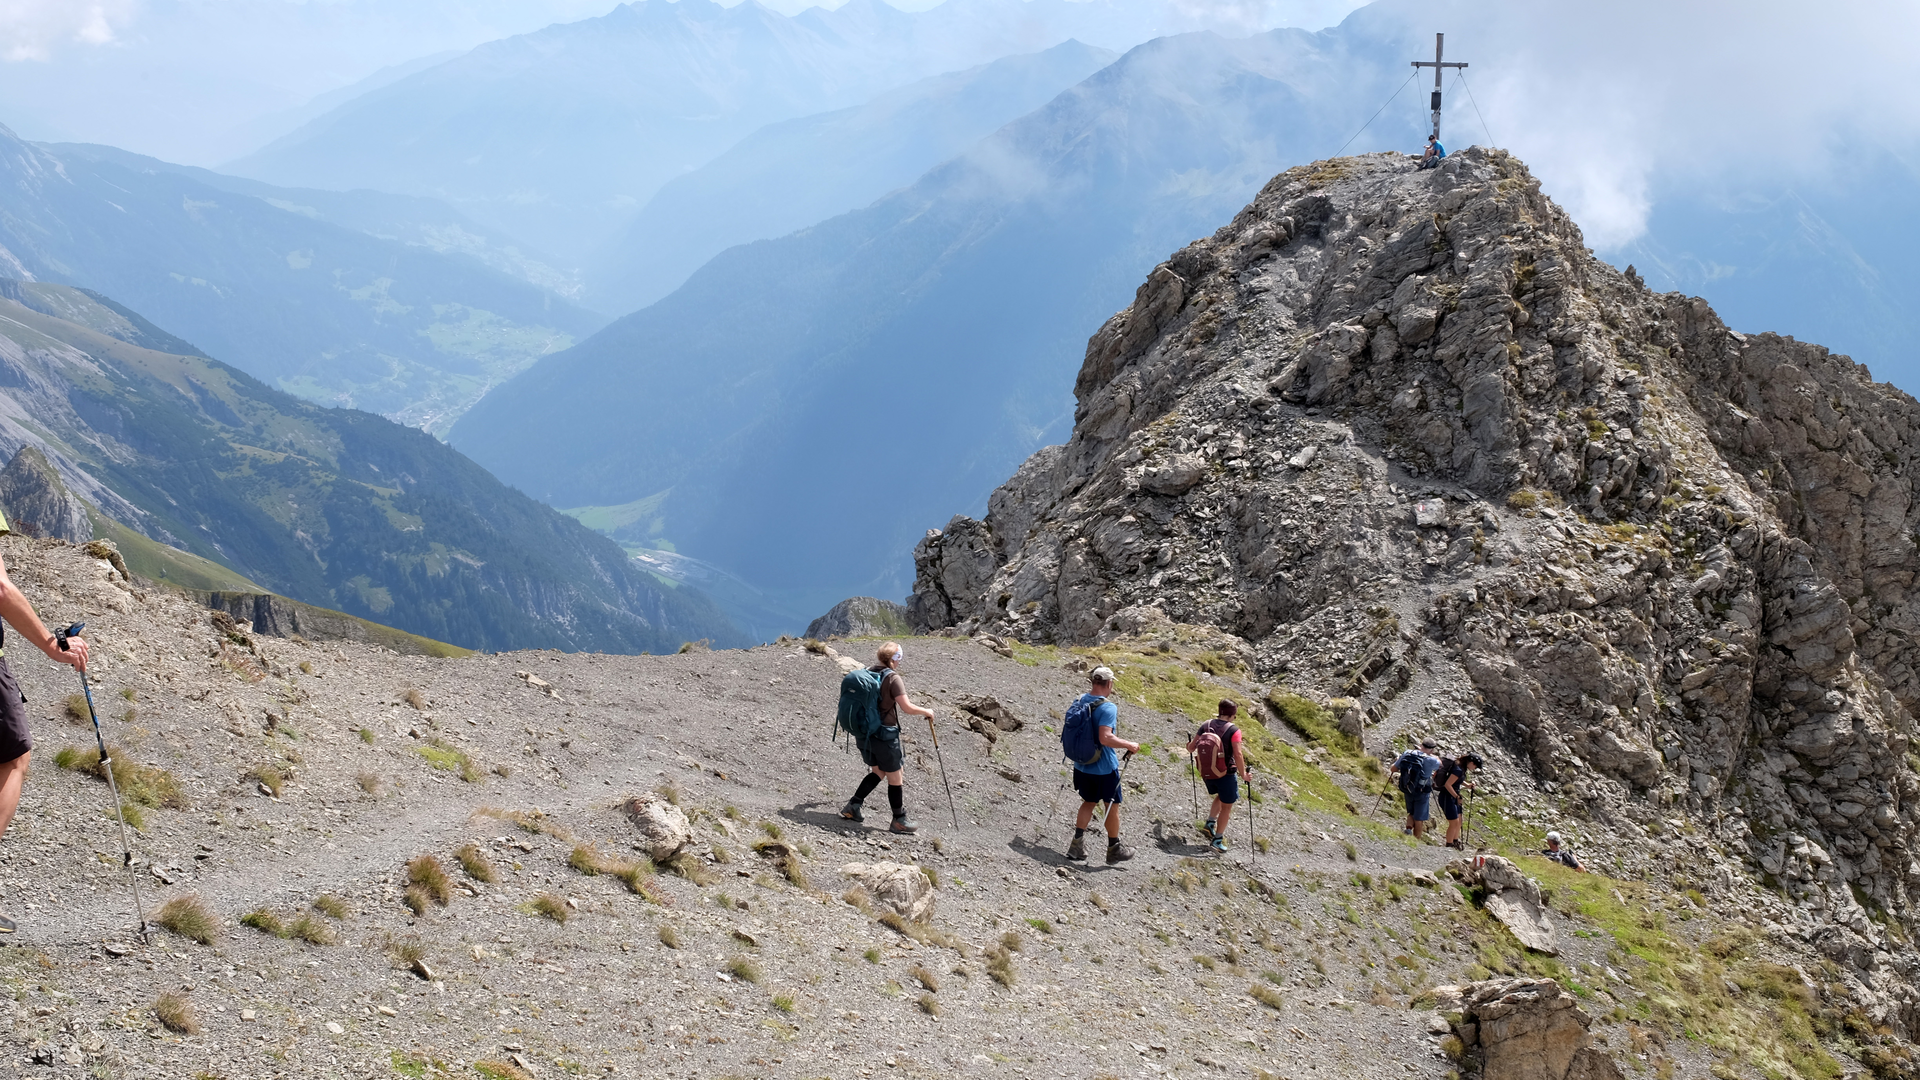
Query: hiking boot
column 851, row 812
column 1219, row 843
column 1077, row 851
column 6, row 925
column 1209, row 830
column 1118, row 852
column 904, row 824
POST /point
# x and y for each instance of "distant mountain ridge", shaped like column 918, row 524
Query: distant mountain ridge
column 552, row 135
column 333, row 507
column 796, row 173
column 802, row 403
column 300, row 295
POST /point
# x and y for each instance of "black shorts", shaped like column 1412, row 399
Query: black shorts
column 1225, row 788
column 16, row 737
column 1449, row 806
column 882, row 750
column 1098, row 787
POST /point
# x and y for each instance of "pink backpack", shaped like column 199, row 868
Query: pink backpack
column 1214, row 748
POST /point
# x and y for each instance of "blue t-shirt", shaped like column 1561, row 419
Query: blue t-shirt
column 1439, row 151
column 1106, row 714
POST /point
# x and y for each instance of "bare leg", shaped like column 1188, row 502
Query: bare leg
column 1085, row 815
column 1222, row 811
column 1113, row 820
column 1453, row 829
column 13, row 777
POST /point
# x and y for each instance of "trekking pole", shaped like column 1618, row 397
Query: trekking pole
column 1466, row 828
column 106, row 766
column 1253, row 844
column 942, row 759
column 1193, row 782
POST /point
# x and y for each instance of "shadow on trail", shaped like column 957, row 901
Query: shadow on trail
column 1050, row 856
column 1178, row 841
column 812, row 813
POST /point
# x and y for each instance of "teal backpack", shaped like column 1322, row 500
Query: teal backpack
column 859, row 714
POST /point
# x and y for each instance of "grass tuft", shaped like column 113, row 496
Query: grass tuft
column 744, row 968
column 425, row 872
column 475, row 862
column 669, row 936
column 331, row 906
column 369, row 782
column 405, row 952
column 926, row 978
column 929, row 1004
column 783, row 1002
column 77, row 708
column 366, row 735
column 176, row 1012
column 415, row 698
column 553, row 907
column 447, row 757
column 311, row 930
column 416, row 899
column 191, row 918
column 269, row 776
column 1268, row 996
column 143, row 784
column 265, row 921
column 500, row 1070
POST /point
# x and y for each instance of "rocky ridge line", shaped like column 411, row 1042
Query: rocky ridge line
column 1390, row 426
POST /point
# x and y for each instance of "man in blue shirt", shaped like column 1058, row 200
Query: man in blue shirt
column 1431, row 159
column 1413, row 772
column 1100, row 781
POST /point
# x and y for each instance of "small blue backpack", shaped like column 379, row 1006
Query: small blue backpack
column 1080, row 733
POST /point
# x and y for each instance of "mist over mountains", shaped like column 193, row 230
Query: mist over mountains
column 807, row 405
column 295, row 287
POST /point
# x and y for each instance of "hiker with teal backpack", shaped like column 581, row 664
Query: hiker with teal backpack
column 1413, row 771
column 871, row 701
column 1087, row 739
column 1218, row 755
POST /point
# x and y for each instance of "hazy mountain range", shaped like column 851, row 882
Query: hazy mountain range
column 334, row 507
column 804, row 408
column 293, row 286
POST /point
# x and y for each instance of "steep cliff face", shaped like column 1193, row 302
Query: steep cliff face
column 1405, row 437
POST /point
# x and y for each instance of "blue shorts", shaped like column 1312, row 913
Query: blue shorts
column 1417, row 808
column 1097, row 787
column 1226, row 788
column 1449, row 806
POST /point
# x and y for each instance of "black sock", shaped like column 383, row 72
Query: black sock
column 895, row 799
column 867, row 784
column 1112, row 840
column 1079, row 832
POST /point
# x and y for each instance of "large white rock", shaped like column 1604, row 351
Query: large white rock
column 903, row 888
column 663, row 827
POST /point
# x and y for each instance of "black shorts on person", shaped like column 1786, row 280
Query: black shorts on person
column 1225, row 788
column 882, row 750
column 15, row 737
column 1449, row 806
column 1097, row 787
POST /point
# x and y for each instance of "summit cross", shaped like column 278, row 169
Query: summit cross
column 1439, row 44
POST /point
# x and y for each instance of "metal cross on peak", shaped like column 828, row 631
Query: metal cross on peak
column 1439, row 44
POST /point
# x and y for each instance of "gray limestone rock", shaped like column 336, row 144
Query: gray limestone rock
column 861, row 616
column 38, row 503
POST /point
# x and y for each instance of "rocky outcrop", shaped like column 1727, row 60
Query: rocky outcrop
column 1390, row 427
column 1513, row 898
column 861, row 616
column 1525, row 1029
column 38, row 503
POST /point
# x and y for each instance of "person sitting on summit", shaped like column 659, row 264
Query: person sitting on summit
column 1431, row 159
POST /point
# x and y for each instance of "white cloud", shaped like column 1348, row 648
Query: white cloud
column 1611, row 104
column 31, row 29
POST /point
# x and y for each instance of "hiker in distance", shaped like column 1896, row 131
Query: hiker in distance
column 1088, row 739
column 1218, row 755
column 881, row 750
column 1451, row 786
column 1434, row 152
column 1560, row 854
column 16, row 740
column 1413, row 772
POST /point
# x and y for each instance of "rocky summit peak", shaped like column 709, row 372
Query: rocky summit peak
column 1403, row 440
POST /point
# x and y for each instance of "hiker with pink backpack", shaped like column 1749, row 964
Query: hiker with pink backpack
column 1218, row 756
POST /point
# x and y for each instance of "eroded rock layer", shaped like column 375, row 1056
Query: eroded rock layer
column 1402, row 434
